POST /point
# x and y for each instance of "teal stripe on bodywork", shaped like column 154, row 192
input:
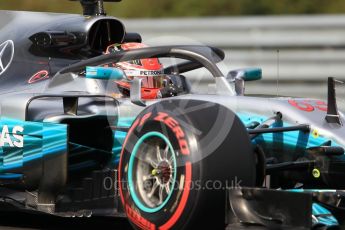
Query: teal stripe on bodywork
column 323, row 216
column 39, row 140
column 125, row 121
column 12, row 176
column 295, row 139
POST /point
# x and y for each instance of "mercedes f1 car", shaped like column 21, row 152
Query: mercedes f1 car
column 74, row 145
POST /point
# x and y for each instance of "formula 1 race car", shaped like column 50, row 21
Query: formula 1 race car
column 73, row 144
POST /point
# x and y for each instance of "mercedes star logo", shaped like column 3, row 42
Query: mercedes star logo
column 6, row 55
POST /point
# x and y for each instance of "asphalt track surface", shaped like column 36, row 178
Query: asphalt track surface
column 23, row 221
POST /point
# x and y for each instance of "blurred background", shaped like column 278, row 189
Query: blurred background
column 189, row 8
column 299, row 42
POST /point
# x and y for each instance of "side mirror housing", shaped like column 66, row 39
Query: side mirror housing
column 239, row 76
column 247, row 74
column 104, row 73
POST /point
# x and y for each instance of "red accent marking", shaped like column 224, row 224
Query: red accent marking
column 321, row 105
column 41, row 75
column 123, row 84
column 307, row 105
column 170, row 223
column 132, row 46
column 146, row 93
column 178, row 132
column 149, row 93
column 138, row 220
column 161, row 116
column 183, row 146
column 144, row 118
column 136, row 122
column 302, row 105
column 171, row 123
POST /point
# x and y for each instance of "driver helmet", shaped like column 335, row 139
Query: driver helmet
column 150, row 70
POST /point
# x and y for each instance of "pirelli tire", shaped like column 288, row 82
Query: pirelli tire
column 204, row 149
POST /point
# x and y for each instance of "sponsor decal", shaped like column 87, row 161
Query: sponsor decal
column 150, row 73
column 6, row 55
column 139, row 73
column 14, row 138
column 309, row 105
column 137, row 219
column 40, row 75
column 176, row 128
column 321, row 105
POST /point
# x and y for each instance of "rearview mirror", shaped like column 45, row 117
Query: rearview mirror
column 247, row 74
column 239, row 76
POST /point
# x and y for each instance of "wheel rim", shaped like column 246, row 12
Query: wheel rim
column 152, row 172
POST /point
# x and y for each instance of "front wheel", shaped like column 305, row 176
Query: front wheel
column 176, row 165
